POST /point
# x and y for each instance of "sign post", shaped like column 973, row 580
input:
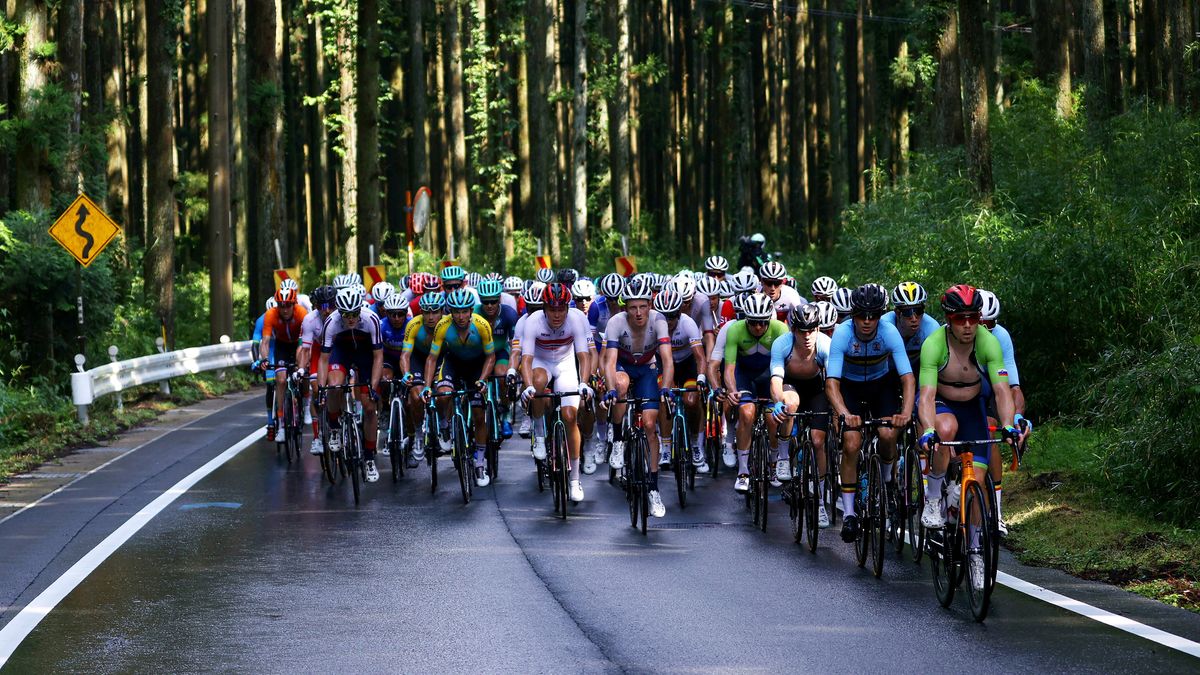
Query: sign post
column 84, row 230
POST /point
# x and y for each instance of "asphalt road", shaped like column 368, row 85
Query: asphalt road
column 262, row 567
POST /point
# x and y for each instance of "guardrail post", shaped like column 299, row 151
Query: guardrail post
column 165, row 387
column 81, row 410
column 112, row 355
column 221, row 372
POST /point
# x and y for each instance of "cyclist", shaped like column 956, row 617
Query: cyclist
column 637, row 341
column 280, row 341
column 469, row 354
column 533, row 304
column 843, row 304
column 583, row 293
column 557, row 352
column 513, row 286
column 961, row 367
column 858, row 386
column 503, row 320
column 311, row 331
column 608, row 302
column 910, row 318
column 748, row 373
column 829, row 317
column 690, row 370
column 716, row 267
column 823, row 289
column 257, row 366
column 380, row 292
column 798, row 383
column 454, row 278
column 545, row 275
column 716, row 361
column 988, row 317
column 772, row 276
column 352, row 340
column 752, row 254
column 418, row 336
column 393, row 313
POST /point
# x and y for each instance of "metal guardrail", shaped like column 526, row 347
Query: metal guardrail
column 115, row 377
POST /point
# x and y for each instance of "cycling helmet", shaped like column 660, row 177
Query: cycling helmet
column 533, row 294
column 790, row 281
column 716, row 263
column 393, row 303
column 567, row 277
column 382, row 291
column 493, row 276
column 739, row 304
column 404, row 281
column 343, row 281
column 490, row 288
column 842, row 300
column 709, row 286
column 868, row 298
column 741, row 283
column 991, row 306
column 758, row 307
column 545, row 275
column 829, row 314
column 290, row 283
column 884, row 292
column 962, row 298
column 285, row 294
column 556, row 295
column 271, row 304
column 473, row 279
column 758, row 238
column 513, row 285
column 805, row 317
column 432, row 282
column 772, row 270
column 417, row 284
column 433, row 302
column 454, row 273
column 909, row 294
column 824, row 286
column 657, row 282
column 460, row 298
column 726, row 290
column 612, row 284
column 685, row 286
column 349, row 299
column 637, row 289
column 668, row 302
column 323, row 295
column 583, row 289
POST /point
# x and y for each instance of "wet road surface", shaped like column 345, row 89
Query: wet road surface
column 263, row 567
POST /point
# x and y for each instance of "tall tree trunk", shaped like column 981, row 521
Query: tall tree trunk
column 1114, row 70
column 316, row 140
column 852, row 53
column 266, row 145
column 70, row 52
column 31, row 168
column 347, row 243
column 220, row 261
column 826, row 196
column 416, row 93
column 975, row 97
column 1093, row 59
column 1053, row 56
column 368, row 128
column 116, row 135
column 239, row 128
column 947, row 105
column 620, row 123
column 457, row 131
column 579, row 192
column 160, row 167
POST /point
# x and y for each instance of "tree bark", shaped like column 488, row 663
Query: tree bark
column 1053, row 56
column 31, row 166
column 579, row 192
column 160, row 167
column 823, row 56
column 116, row 135
column 368, row 128
column 316, row 141
column 266, row 146
column 220, row 261
column 457, row 131
column 416, row 97
column 1093, row 59
column 347, row 242
column 948, row 112
column 70, row 58
column 239, row 127
column 975, row 98
column 620, row 124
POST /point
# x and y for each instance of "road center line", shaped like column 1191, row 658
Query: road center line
column 32, row 614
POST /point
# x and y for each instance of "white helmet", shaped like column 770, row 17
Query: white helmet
column 545, row 275
column 637, row 289
column 685, row 286
column 612, row 285
column 716, row 263
column 513, row 285
column 747, row 271
column 393, row 302
column 583, row 288
column 743, row 283
column 289, row 284
column 824, row 286
column 841, row 300
column 382, row 291
column 709, row 286
column 349, row 299
column 828, row 313
column 533, row 294
column 697, row 276
column 344, row 281
column 909, row 294
column 991, row 305
column 668, row 302
column 772, row 270
column 758, row 238
column 759, row 307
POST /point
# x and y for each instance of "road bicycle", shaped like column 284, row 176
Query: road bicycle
column 557, row 465
column 461, row 438
column 635, row 474
column 803, row 493
column 349, row 455
column 761, row 467
column 869, row 499
column 681, row 461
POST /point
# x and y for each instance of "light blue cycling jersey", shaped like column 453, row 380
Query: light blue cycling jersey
column 781, row 351
column 1008, row 353
column 913, row 343
column 851, row 358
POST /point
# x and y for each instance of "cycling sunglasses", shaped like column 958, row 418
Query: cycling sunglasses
column 397, row 314
column 490, row 301
column 910, row 311
column 772, row 282
column 286, row 305
column 758, row 323
column 868, row 316
column 671, row 317
column 963, row 319
column 349, row 315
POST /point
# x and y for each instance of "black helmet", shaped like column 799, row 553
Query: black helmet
column 805, row 317
column 868, row 298
column 323, row 295
column 567, row 277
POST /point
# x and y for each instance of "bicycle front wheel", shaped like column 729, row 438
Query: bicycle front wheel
column 679, row 459
column 976, row 534
column 562, row 458
column 462, row 458
column 876, row 522
column 913, row 501
column 811, row 492
column 395, row 440
column 353, row 456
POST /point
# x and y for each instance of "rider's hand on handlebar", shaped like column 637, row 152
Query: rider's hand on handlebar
column 898, row 420
column 928, row 439
column 853, row 421
column 585, row 391
column 528, row 394
column 733, row 398
column 778, row 410
column 610, row 396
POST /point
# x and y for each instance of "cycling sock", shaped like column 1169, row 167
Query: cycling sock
column 479, row 458
column 998, row 491
column 729, row 433
column 539, row 426
column 316, row 428
column 743, row 461
column 887, row 471
column 618, row 433
column 654, row 480
column 781, row 451
column 822, row 488
column 700, row 441
column 601, row 429
column 974, row 536
column 933, row 487
column 575, row 469
column 848, row 499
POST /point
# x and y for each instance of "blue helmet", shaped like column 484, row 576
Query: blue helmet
column 460, row 299
column 453, row 273
column 490, row 288
column 433, row 301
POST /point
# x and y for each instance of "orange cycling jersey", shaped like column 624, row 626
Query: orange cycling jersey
column 283, row 331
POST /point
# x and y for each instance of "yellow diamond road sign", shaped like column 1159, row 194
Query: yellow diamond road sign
column 84, row 230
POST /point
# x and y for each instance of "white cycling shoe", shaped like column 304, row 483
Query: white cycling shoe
column 280, row 434
column 539, row 448
column 822, row 517
column 372, row 471
column 783, row 470
column 657, row 509
column 976, row 570
column 742, row 484
column 307, row 415
column 317, row 448
column 589, row 463
column 616, row 460
column 482, row 479
column 577, row 491
column 729, row 457
column 932, row 516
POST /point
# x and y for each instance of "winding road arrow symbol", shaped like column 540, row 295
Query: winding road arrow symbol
column 83, row 214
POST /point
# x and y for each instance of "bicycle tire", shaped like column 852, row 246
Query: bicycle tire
column 641, row 479
column 395, row 441
column 942, row 564
column 492, row 449
column 915, row 502
column 462, row 461
column 563, row 470
column 980, row 600
column 752, row 492
column 861, row 543
column 794, row 492
column 431, row 449
column 679, row 459
column 990, row 490
column 350, row 432
column 295, row 430
column 810, row 491
column 765, row 467
column 877, row 515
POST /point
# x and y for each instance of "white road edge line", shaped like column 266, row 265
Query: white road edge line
column 32, row 614
column 137, row 447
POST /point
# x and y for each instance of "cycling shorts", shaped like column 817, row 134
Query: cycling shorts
column 564, row 378
column 346, row 360
column 686, row 372
column 503, row 357
column 972, row 423
column 643, row 382
column 285, row 353
column 391, row 360
column 812, row 399
column 872, row 398
column 462, row 374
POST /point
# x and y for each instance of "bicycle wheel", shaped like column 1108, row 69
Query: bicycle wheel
column 679, row 459
column 462, row 457
column 833, row 476
column 913, row 502
column 562, row 458
column 942, row 546
column 641, row 479
column 492, row 451
column 353, row 454
column 395, row 440
column 431, row 449
column 752, row 493
column 295, row 429
column 765, row 468
column 794, row 492
column 977, row 511
column 810, row 491
column 990, row 491
column 877, row 515
column 861, row 544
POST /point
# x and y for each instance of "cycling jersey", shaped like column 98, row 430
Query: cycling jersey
column 636, row 349
column 545, row 343
column 912, row 343
column 598, row 316
column 466, row 344
column 258, row 338
column 393, row 342
column 811, row 390
column 866, row 360
column 502, row 328
column 518, row 328
column 417, row 337
column 352, row 347
column 1009, row 354
column 311, row 329
column 685, row 336
column 987, row 357
column 741, row 346
column 789, row 298
column 701, row 314
column 509, row 301
column 718, row 351
column 782, row 352
column 287, row 332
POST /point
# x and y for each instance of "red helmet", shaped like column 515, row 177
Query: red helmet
column 961, row 298
column 417, row 284
column 556, row 295
column 285, row 295
column 432, row 282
